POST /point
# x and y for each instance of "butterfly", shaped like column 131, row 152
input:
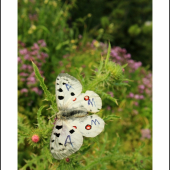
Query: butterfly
column 73, row 122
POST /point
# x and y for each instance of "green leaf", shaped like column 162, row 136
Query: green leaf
column 39, row 118
column 110, row 117
column 108, row 55
column 49, row 96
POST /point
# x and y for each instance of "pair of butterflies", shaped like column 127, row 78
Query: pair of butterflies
column 72, row 120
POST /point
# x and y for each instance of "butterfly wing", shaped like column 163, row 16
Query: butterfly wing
column 65, row 140
column 67, row 88
column 89, row 126
column 89, row 100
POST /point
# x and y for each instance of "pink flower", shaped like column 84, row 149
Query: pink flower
column 35, row 52
column 23, row 74
column 142, row 87
column 35, row 89
column 29, row 68
column 19, row 60
column 141, row 97
column 27, row 57
column 24, row 67
column 136, row 103
column 23, row 51
column 131, row 95
column 137, row 96
column 127, row 55
column 44, row 55
column 31, row 79
column 145, row 81
column 35, row 138
column 35, row 47
column 67, row 160
column 24, row 90
column 145, row 133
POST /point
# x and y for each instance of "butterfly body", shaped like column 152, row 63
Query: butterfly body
column 73, row 121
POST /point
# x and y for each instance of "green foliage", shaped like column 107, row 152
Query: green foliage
column 121, row 22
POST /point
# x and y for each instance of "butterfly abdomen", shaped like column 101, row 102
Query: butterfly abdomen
column 74, row 113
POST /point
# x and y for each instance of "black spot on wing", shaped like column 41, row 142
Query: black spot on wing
column 57, row 84
column 60, row 143
column 60, row 90
column 64, row 83
column 72, row 94
column 91, row 116
column 71, row 131
column 52, row 141
column 58, row 127
column 60, row 97
column 52, row 148
column 57, row 134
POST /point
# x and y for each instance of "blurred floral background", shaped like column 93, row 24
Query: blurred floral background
column 67, row 36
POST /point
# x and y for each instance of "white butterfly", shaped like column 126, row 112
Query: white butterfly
column 73, row 122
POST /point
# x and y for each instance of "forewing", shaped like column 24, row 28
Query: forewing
column 65, row 140
column 67, row 88
column 89, row 126
column 89, row 100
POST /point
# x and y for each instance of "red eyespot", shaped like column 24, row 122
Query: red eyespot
column 88, row 127
column 75, row 127
column 74, row 99
column 86, row 98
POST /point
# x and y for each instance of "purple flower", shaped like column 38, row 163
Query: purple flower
column 127, row 55
column 35, row 52
column 131, row 95
column 24, row 67
column 44, row 55
column 145, row 133
column 23, row 74
column 24, row 90
column 27, row 57
column 145, row 81
column 19, row 60
column 123, row 50
column 35, row 47
column 31, row 79
column 141, row 97
column 23, row 51
column 137, row 96
column 29, row 68
column 142, row 87
column 137, row 65
column 136, row 103
column 35, row 89
column 113, row 53
column 118, row 57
